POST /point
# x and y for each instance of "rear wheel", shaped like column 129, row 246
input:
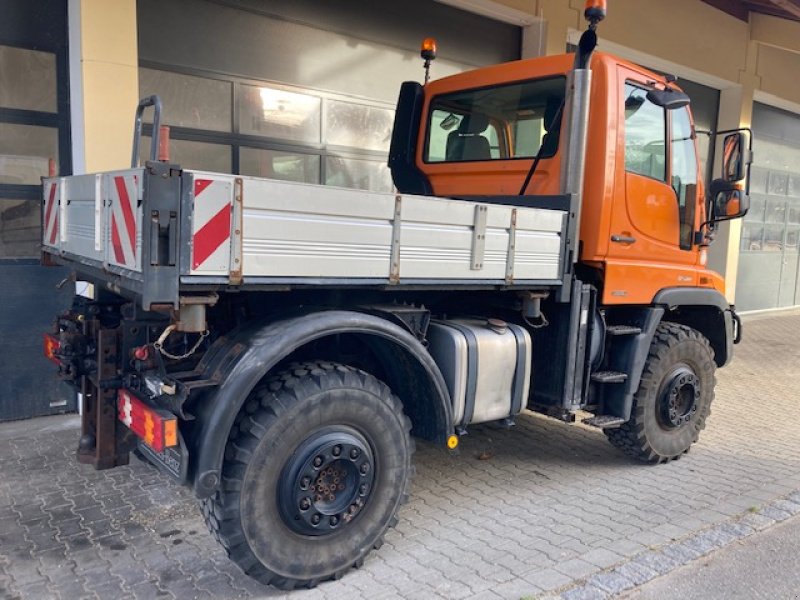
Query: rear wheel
column 673, row 401
column 316, row 467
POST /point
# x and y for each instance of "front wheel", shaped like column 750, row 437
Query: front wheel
column 317, row 464
column 673, row 401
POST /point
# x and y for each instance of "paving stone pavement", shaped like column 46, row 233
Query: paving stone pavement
column 553, row 511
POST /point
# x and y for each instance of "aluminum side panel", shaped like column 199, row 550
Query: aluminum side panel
column 84, row 217
column 300, row 230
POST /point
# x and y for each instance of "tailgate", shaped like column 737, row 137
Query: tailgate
column 95, row 218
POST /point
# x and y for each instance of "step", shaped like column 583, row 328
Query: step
column 609, row 377
column 604, row 421
column 623, row 330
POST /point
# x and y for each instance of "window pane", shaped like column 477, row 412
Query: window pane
column 794, row 211
column 279, row 114
column 26, row 152
column 776, row 211
column 778, row 183
column 644, row 135
column 773, row 238
column 357, row 125
column 193, row 155
column 27, row 79
column 20, row 228
column 794, row 184
column 188, row 101
column 751, row 236
column 472, row 125
column 357, row 173
column 757, row 206
column 684, row 173
column 279, row 165
column 758, row 180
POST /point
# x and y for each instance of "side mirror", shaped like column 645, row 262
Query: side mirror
column 668, row 98
column 728, row 201
column 733, row 157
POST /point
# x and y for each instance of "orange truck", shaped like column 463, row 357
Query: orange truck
column 276, row 345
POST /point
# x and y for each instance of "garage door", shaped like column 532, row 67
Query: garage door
column 301, row 90
column 768, row 259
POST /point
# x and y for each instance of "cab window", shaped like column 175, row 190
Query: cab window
column 645, row 135
column 684, row 172
column 496, row 123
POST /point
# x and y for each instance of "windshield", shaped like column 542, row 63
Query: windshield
column 495, row 123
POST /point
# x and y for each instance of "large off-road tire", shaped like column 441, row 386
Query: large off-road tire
column 674, row 398
column 316, row 467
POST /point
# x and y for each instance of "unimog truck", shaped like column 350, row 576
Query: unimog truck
column 276, row 345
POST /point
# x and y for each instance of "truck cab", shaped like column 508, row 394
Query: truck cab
column 643, row 206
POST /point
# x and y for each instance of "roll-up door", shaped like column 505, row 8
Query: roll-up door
column 769, row 250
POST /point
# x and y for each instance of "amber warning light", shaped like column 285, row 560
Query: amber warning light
column 595, row 11
column 51, row 346
column 428, row 53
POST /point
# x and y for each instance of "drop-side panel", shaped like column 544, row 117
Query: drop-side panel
column 299, row 230
column 95, row 218
column 293, row 230
column 538, row 243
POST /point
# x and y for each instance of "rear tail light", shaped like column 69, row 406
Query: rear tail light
column 157, row 428
column 51, row 346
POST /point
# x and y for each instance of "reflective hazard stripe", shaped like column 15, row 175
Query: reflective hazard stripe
column 211, row 221
column 51, row 216
column 123, row 220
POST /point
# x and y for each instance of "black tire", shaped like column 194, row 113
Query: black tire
column 286, row 425
column 674, row 398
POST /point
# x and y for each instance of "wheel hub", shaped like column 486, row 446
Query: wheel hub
column 680, row 398
column 327, row 482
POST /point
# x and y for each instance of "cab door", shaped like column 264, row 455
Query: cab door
column 656, row 196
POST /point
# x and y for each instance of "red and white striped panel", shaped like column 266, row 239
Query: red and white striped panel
column 211, row 226
column 51, row 214
column 123, row 220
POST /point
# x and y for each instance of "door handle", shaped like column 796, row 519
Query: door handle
column 623, row 239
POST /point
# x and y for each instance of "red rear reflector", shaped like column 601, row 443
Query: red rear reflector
column 51, row 346
column 157, row 428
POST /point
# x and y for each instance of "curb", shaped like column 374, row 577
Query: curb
column 659, row 561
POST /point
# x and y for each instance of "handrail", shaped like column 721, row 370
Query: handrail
column 155, row 102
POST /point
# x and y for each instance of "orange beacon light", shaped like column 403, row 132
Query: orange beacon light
column 595, row 11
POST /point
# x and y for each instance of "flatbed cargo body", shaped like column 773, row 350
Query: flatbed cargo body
column 210, row 230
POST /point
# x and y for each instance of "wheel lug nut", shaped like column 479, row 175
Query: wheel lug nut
column 337, row 450
column 305, row 504
column 354, row 453
column 318, row 461
column 362, row 490
column 364, row 468
column 315, row 520
column 334, row 521
column 305, row 482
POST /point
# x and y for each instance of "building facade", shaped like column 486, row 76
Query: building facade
column 304, row 90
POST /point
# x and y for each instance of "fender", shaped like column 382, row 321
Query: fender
column 246, row 357
column 707, row 311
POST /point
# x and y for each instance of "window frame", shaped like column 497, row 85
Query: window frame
column 59, row 120
column 236, row 140
column 502, row 130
